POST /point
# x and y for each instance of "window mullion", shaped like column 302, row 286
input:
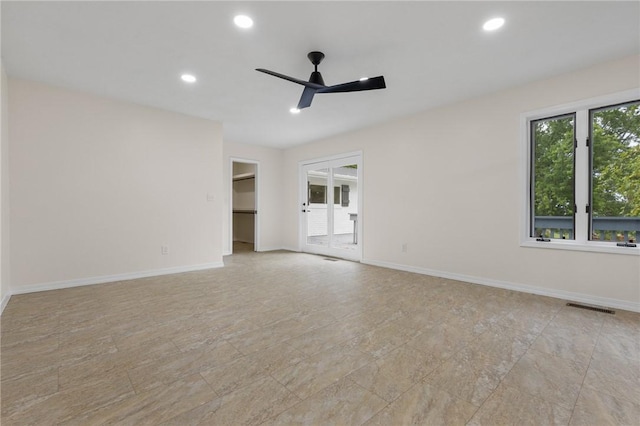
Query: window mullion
column 582, row 176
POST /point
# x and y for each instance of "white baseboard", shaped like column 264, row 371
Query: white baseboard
column 56, row 285
column 558, row 294
column 3, row 303
column 261, row 249
column 268, row 248
column 295, row 249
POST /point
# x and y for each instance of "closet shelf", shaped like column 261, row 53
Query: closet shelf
column 244, row 176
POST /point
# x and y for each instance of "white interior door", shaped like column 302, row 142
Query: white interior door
column 330, row 216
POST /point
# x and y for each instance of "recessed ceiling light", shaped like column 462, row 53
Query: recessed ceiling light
column 294, row 110
column 364, row 79
column 243, row 21
column 188, row 78
column 493, row 24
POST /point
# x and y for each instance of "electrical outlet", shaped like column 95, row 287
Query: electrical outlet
column 404, row 247
column 164, row 250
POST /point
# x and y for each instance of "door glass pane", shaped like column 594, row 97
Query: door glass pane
column 552, row 177
column 345, row 207
column 615, row 173
column 316, row 210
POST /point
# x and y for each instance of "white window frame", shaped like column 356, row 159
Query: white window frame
column 582, row 174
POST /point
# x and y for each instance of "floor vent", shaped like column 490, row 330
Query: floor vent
column 330, row 260
column 592, row 308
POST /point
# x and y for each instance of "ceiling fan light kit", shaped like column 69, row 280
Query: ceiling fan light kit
column 316, row 82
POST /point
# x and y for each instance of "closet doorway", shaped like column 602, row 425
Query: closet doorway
column 244, row 206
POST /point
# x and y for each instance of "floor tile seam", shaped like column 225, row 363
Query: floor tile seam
column 562, row 356
column 25, row 375
column 16, row 347
column 453, row 397
column 261, row 349
column 283, row 384
column 365, row 389
column 300, row 400
column 178, row 348
column 135, row 391
column 209, row 386
column 319, row 391
column 574, row 333
column 567, row 360
column 228, row 340
column 115, row 400
column 622, row 335
column 619, row 356
column 439, row 363
column 38, row 400
column 618, row 337
column 501, row 382
column 523, row 330
column 616, row 397
column 446, row 389
column 541, row 396
column 387, row 403
column 604, row 392
column 478, row 408
column 324, row 348
column 573, row 409
column 343, row 376
column 490, row 358
column 410, row 345
column 597, row 339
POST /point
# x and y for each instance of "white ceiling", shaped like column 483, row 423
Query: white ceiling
column 431, row 53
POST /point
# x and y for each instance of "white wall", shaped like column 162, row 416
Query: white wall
column 4, row 191
column 269, row 193
column 448, row 179
column 98, row 186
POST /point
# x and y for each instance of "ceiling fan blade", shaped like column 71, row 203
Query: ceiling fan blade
column 355, row 86
column 306, row 98
column 292, row 79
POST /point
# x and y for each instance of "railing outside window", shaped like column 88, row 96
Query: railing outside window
column 615, row 229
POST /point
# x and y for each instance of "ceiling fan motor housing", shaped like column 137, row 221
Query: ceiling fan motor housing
column 315, row 57
column 316, row 78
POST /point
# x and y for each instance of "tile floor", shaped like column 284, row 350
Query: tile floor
column 289, row 338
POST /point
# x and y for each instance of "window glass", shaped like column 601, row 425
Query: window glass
column 615, row 173
column 552, row 180
column 317, row 194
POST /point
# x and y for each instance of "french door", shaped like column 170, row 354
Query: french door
column 330, row 219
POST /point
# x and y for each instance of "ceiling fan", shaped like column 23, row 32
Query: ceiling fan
column 316, row 83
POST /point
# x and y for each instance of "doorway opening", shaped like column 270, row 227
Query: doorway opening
column 331, row 200
column 244, row 206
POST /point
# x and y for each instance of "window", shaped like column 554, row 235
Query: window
column 345, row 195
column 318, row 194
column 583, row 183
column 553, row 177
column 615, row 172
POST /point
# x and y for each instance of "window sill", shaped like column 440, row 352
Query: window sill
column 593, row 247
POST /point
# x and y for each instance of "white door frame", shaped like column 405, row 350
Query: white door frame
column 256, row 231
column 302, row 197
